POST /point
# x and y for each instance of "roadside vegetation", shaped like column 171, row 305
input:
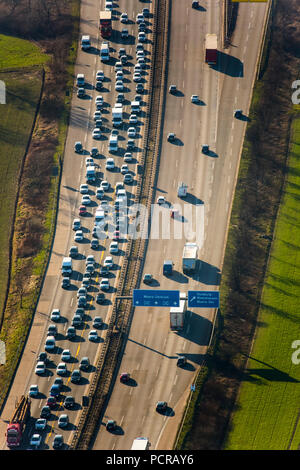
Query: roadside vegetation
column 260, row 278
column 53, row 29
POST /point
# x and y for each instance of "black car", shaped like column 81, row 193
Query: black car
column 58, row 441
column 99, row 85
column 45, row 412
column 43, row 357
column 181, row 361
column 111, row 425
column 161, row 406
column 69, row 402
column 84, row 364
column 100, row 298
column 171, row 137
column 104, row 271
column 195, row 4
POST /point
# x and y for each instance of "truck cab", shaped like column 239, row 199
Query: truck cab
column 168, row 267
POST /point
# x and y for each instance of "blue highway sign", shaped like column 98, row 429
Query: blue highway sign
column 155, row 298
column 204, row 299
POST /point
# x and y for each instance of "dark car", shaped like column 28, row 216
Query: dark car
column 82, row 210
column 205, row 148
column 51, row 402
column 76, row 376
column 71, row 332
column 124, row 377
column 58, row 441
column 161, row 406
column 45, row 412
column 181, row 361
column 111, row 425
column 69, row 402
column 172, row 89
column 104, row 271
column 147, row 278
column 65, row 283
column 78, row 147
column 195, row 4
column 100, row 298
column 99, row 85
column 171, row 137
column 84, row 364
column 43, row 357
column 55, row 390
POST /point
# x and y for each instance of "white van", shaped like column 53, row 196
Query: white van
column 104, row 51
column 50, row 343
column 135, row 107
column 80, row 80
column 85, row 43
column 113, row 143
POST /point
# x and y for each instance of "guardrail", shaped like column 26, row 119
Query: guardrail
column 132, row 265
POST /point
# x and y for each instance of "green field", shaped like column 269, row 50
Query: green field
column 269, row 401
column 23, row 88
column 16, row 53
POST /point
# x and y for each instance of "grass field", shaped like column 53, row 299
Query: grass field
column 16, row 53
column 23, row 88
column 269, row 401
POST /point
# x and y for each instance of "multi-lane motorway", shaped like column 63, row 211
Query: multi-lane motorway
column 151, row 351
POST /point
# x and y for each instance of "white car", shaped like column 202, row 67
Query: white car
column 40, row 424
column 109, row 6
column 82, row 291
column 140, row 54
column 86, row 200
column 119, row 75
column 66, row 355
column 33, row 391
column 99, row 75
column 76, row 224
column 124, row 18
column 137, row 68
column 119, row 85
column 108, row 261
column 96, row 134
column 110, row 164
column 89, row 161
column 61, row 369
column 128, row 157
column 90, row 259
column 142, row 36
column 93, row 335
column 160, row 200
column 35, row 440
column 97, row 115
column 105, row 185
column 140, row 18
column 104, row 284
column 141, row 62
column 194, row 98
column 124, row 169
column 78, row 237
column 128, row 178
column 55, row 314
column 133, row 119
column 40, row 368
column 84, row 189
column 137, row 77
column 63, row 421
column 114, row 248
column 118, row 66
column 118, row 185
column 99, row 100
column 131, row 132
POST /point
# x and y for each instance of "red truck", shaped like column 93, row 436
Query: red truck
column 15, row 427
column 211, row 49
column 105, row 24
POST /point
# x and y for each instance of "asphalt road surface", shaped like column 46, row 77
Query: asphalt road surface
column 151, row 352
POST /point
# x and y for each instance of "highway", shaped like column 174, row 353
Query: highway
column 151, row 352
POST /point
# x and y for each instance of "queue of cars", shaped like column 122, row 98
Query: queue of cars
column 56, row 398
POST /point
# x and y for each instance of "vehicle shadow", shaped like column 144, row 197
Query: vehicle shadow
column 229, row 65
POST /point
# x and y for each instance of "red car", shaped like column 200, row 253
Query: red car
column 51, row 402
column 124, row 377
column 116, row 235
column 82, row 210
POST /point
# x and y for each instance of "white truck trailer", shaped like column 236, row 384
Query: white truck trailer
column 177, row 314
column 189, row 257
column 140, row 443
